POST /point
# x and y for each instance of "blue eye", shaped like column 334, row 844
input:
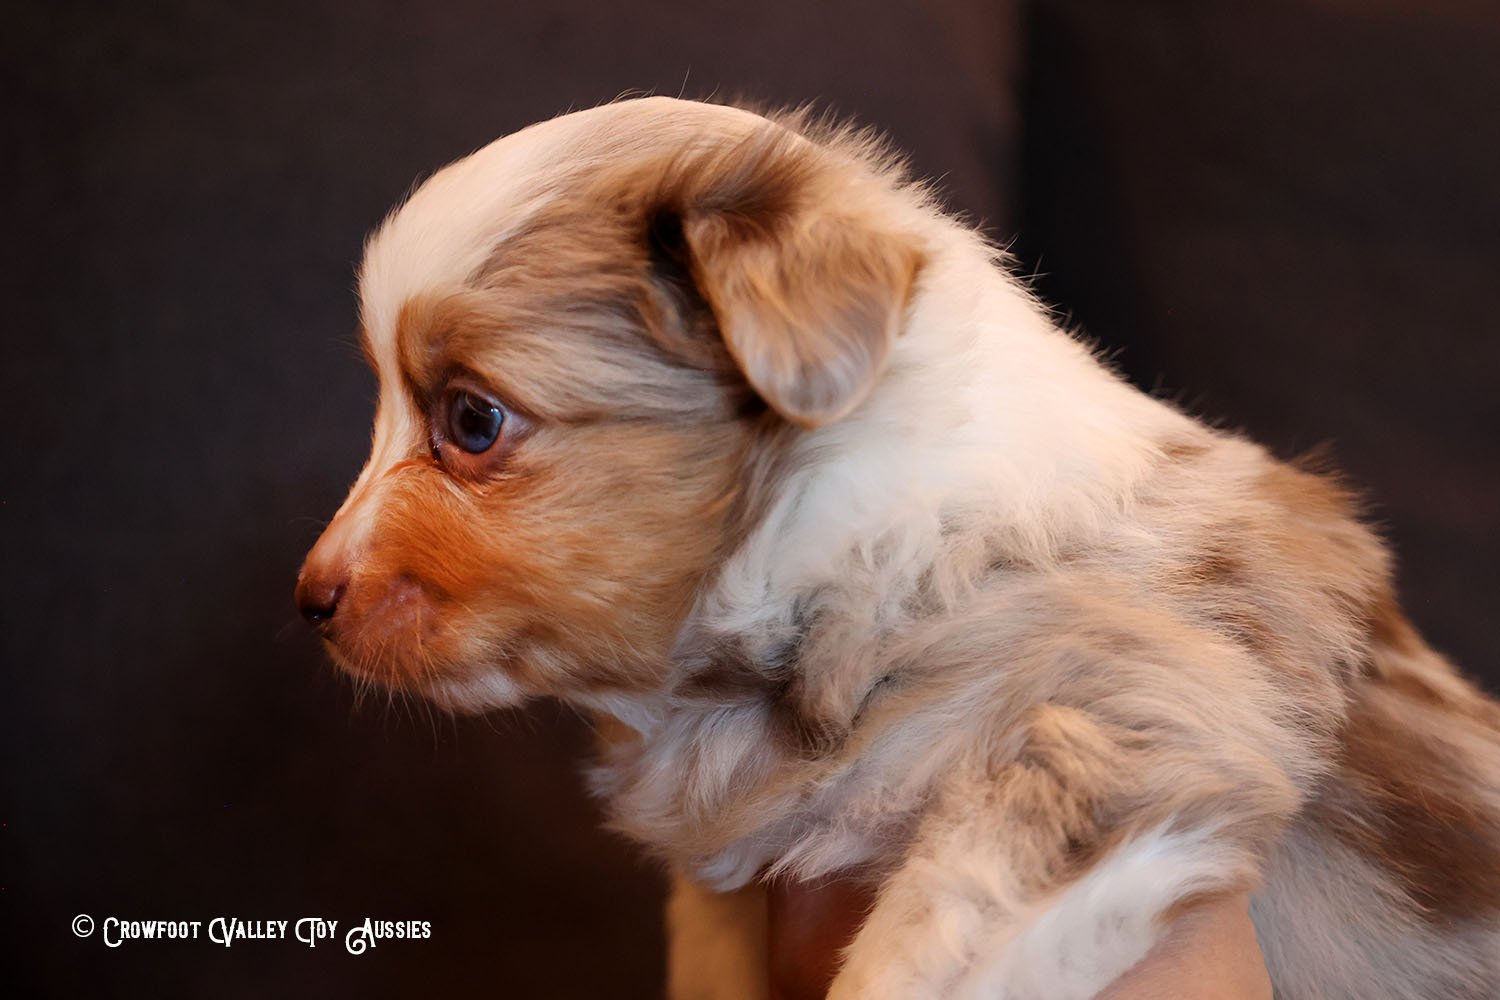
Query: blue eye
column 474, row 423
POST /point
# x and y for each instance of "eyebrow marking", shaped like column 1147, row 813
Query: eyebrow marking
column 419, row 345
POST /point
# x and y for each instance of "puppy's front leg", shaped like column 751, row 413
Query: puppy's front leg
column 716, row 943
column 1049, row 876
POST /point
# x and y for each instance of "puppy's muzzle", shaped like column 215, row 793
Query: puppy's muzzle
column 325, row 577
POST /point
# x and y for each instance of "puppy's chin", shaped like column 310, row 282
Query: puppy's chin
column 474, row 677
column 459, row 690
column 473, row 694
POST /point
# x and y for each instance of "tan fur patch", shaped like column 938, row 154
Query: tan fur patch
column 1404, row 802
column 1081, row 787
column 1059, row 795
column 1389, row 629
column 1403, row 663
column 1217, row 565
column 1183, row 450
column 1287, row 574
column 1319, row 533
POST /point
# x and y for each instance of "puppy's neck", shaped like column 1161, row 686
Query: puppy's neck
column 992, row 437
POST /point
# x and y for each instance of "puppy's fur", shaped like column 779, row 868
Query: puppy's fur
column 865, row 566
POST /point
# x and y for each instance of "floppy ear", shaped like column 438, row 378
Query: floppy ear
column 808, row 294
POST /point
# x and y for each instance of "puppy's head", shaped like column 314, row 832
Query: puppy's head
column 591, row 339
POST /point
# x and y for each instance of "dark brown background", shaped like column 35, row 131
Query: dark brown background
column 1284, row 213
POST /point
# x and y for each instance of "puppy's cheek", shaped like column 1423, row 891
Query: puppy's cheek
column 534, row 584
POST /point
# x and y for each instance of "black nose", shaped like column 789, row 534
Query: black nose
column 318, row 599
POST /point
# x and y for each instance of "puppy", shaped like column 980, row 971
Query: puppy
column 714, row 426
